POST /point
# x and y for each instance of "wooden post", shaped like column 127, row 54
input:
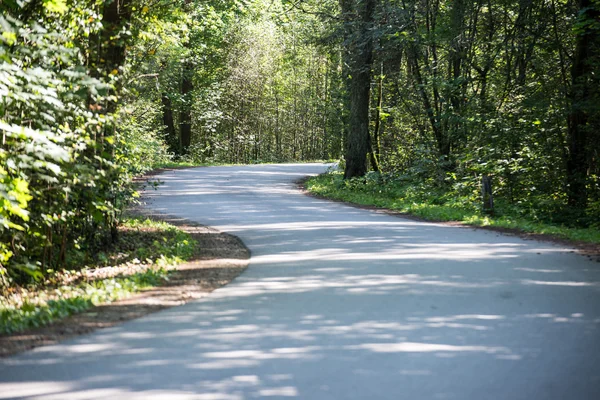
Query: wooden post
column 487, row 195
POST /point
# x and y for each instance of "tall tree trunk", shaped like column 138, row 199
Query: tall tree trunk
column 360, row 90
column 456, row 58
column 346, row 8
column 582, row 75
column 116, row 17
column 116, row 14
column 187, row 86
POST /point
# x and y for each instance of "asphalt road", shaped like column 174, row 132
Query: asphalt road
column 341, row 303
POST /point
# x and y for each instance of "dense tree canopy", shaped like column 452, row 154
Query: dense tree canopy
column 507, row 89
column 94, row 92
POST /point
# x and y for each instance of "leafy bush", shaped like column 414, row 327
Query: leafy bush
column 61, row 187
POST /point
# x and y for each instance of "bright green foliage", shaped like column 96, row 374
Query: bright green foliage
column 260, row 82
column 46, row 129
column 276, row 100
column 62, row 187
column 162, row 243
column 173, row 46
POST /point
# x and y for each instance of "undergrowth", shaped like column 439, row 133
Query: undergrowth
column 141, row 258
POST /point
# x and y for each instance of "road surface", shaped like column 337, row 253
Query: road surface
column 341, row 303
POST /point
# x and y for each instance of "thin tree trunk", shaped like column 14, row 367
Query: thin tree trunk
column 185, row 116
column 376, row 145
column 169, row 124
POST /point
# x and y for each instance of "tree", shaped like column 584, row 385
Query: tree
column 583, row 97
column 360, row 16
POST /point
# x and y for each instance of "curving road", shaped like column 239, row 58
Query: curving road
column 341, row 303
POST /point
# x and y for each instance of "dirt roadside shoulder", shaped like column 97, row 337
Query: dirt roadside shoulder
column 221, row 258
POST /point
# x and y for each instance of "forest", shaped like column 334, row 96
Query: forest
column 426, row 97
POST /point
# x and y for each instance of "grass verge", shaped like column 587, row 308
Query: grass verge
column 142, row 258
column 405, row 200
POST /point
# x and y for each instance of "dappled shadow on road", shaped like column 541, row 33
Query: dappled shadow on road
column 339, row 303
column 241, row 353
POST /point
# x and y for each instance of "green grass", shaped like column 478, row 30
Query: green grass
column 417, row 201
column 152, row 242
column 35, row 312
column 152, row 247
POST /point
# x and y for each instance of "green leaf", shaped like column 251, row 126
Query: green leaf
column 57, row 6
